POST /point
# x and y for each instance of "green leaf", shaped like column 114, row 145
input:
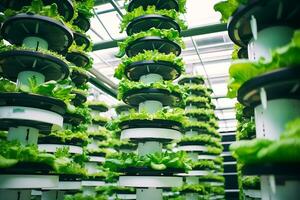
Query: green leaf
column 246, row 151
column 158, row 166
column 129, row 16
column 287, row 150
column 7, row 162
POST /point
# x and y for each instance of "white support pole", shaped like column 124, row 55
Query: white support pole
column 24, row 78
column 25, row 135
column 270, row 123
column 89, row 191
column 151, row 78
column 149, row 194
column 53, row 195
column 150, row 107
column 15, row 194
column 35, row 43
column 267, row 40
column 149, row 147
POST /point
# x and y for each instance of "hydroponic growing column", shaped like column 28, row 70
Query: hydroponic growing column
column 270, row 87
column 29, row 73
column 202, row 142
column 152, row 47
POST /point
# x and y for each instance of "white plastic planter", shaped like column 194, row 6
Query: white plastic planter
column 19, row 181
column 192, row 148
column 270, row 122
column 267, row 40
column 33, row 114
column 195, row 173
column 150, row 181
column 66, row 185
column 93, row 183
column 159, row 133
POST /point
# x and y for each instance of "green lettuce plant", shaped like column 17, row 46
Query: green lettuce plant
column 285, row 150
column 228, row 7
column 169, row 34
column 37, row 7
column 181, row 5
column 203, row 138
column 129, row 16
column 148, row 56
column 126, row 85
column 243, row 70
column 156, row 161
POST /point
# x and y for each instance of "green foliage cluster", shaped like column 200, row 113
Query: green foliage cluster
column 169, row 34
column 243, row 70
column 148, row 56
column 286, row 150
column 129, row 16
column 155, row 161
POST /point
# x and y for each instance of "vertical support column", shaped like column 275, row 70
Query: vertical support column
column 53, row 195
column 149, row 147
column 25, row 135
column 270, row 122
column 15, row 194
column 149, row 194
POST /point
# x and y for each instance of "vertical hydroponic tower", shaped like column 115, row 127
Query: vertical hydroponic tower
column 268, row 83
column 152, row 47
column 30, row 67
column 202, row 143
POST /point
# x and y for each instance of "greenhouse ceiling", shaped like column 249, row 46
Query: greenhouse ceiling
column 208, row 50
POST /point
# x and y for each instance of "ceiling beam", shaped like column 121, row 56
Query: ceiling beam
column 201, row 30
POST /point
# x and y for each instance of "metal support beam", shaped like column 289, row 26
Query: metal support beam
column 188, row 33
column 96, row 82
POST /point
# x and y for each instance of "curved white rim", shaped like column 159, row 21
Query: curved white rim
column 150, row 181
column 28, row 181
column 143, row 133
column 33, row 114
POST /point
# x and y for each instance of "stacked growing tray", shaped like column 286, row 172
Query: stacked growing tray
column 202, row 142
column 150, row 134
column 47, row 109
column 28, row 115
column 263, row 28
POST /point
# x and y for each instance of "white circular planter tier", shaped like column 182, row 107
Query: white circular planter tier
column 150, row 133
column 207, row 157
column 52, row 148
column 30, row 114
column 192, row 148
column 66, row 185
column 270, row 122
column 150, row 181
column 126, row 196
column 92, row 183
column 96, row 159
column 195, row 173
column 19, row 181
